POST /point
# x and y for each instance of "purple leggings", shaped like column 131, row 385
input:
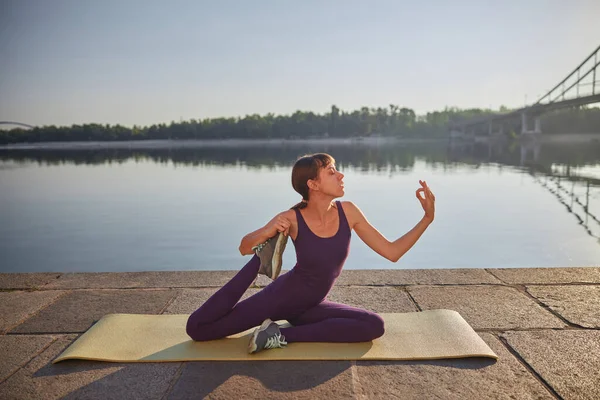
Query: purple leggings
column 221, row 315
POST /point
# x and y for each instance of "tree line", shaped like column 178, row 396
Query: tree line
column 392, row 121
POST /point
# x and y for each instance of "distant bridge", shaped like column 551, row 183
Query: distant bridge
column 579, row 88
column 17, row 124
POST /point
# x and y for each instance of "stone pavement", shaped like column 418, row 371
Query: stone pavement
column 544, row 324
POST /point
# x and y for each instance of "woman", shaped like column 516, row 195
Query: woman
column 320, row 230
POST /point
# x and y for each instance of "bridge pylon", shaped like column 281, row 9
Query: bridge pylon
column 537, row 124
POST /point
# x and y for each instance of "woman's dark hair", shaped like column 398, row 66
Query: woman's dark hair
column 307, row 167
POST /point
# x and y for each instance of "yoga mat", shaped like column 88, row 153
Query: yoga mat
column 425, row 335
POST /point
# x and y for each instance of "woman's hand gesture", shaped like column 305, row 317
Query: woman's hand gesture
column 428, row 201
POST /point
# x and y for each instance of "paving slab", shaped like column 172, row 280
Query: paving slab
column 547, row 275
column 16, row 351
column 578, row 304
column 191, row 279
column 29, row 280
column 416, row 277
column 487, row 307
column 265, row 380
column 188, row 300
column 76, row 379
column 154, row 279
column 376, row 299
column 17, row 306
column 469, row 378
column 567, row 359
column 78, row 310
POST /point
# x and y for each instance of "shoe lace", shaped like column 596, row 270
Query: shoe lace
column 259, row 247
column 276, row 340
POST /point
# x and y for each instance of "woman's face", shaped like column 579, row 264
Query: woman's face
column 331, row 181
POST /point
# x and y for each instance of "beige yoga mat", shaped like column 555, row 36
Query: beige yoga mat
column 426, row 335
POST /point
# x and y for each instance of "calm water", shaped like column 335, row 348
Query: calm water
column 188, row 208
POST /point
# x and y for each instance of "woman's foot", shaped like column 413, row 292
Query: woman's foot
column 271, row 255
column 266, row 336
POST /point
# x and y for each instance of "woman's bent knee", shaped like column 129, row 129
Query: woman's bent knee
column 190, row 328
column 377, row 326
column 194, row 330
column 202, row 332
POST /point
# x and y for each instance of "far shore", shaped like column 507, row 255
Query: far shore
column 193, row 143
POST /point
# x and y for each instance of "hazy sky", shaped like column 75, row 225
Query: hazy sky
column 143, row 62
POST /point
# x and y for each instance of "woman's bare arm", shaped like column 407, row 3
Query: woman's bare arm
column 393, row 251
column 280, row 223
column 252, row 239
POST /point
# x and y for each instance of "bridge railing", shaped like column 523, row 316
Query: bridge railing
column 581, row 82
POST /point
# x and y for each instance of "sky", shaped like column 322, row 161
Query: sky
column 143, row 62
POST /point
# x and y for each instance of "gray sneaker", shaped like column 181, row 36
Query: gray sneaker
column 266, row 336
column 270, row 254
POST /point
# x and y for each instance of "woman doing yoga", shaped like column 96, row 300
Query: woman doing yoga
column 320, row 228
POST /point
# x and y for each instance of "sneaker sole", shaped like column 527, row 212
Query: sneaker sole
column 252, row 344
column 277, row 259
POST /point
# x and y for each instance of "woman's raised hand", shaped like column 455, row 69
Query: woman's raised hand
column 428, row 201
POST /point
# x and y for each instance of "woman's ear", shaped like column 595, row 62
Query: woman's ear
column 312, row 184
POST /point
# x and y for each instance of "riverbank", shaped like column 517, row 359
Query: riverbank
column 542, row 322
column 161, row 144
column 223, row 143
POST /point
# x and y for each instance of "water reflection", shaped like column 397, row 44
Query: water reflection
column 555, row 167
column 531, row 156
column 540, row 160
column 552, row 166
column 398, row 156
column 578, row 204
